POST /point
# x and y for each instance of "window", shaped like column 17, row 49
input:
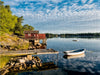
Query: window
column 29, row 34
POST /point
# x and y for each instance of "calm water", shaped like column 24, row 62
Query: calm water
column 88, row 65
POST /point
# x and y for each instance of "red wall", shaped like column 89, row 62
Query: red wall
column 42, row 36
column 36, row 36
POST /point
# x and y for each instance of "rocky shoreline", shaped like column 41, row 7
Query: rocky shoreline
column 26, row 63
column 21, row 63
column 13, row 42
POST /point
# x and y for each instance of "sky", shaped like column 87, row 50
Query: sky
column 58, row 16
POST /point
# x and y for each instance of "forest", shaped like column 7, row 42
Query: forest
column 11, row 24
column 12, row 30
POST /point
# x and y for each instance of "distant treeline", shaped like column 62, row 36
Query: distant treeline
column 11, row 24
column 50, row 35
column 79, row 35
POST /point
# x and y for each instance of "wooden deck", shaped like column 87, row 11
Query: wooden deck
column 28, row 52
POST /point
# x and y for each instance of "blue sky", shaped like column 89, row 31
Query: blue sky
column 58, row 16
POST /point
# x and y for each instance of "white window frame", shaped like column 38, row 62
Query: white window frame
column 29, row 34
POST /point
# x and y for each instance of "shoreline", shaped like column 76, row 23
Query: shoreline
column 25, row 63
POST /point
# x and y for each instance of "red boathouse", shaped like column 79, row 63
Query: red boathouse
column 32, row 35
column 34, row 38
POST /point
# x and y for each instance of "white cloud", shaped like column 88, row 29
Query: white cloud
column 83, row 1
column 90, row 1
column 75, row 7
column 11, row 3
column 56, row 1
column 63, row 19
column 73, row 20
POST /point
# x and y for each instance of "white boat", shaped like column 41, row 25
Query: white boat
column 75, row 52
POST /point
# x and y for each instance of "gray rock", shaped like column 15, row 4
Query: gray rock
column 29, row 57
column 33, row 66
column 21, row 60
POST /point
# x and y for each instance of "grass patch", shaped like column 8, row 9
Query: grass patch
column 4, row 60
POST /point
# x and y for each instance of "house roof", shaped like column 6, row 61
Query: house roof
column 35, row 31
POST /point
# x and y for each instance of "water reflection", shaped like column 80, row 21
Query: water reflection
column 48, row 66
column 73, row 56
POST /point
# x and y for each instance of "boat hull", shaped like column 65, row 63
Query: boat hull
column 73, row 56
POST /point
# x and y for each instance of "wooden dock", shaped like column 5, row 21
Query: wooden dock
column 28, row 52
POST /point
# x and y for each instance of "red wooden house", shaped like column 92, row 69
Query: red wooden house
column 34, row 39
column 32, row 35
